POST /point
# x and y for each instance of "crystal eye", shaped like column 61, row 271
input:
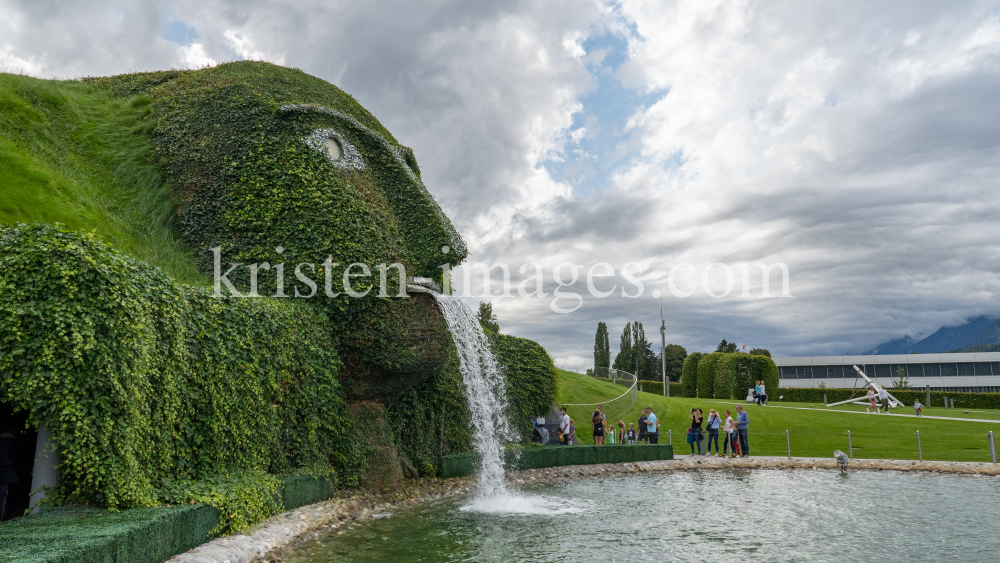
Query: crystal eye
column 333, row 148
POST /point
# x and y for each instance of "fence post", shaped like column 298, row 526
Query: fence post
column 850, row 450
column 670, row 437
column 920, row 452
column 788, row 443
column 946, row 402
column 928, row 401
column 993, row 447
column 824, row 399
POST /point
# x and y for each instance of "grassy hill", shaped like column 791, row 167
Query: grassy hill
column 73, row 155
column 814, row 433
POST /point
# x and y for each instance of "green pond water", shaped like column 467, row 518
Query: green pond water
column 719, row 515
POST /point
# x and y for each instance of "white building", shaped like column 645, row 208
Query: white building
column 973, row 372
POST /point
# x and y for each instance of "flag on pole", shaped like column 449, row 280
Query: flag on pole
column 744, row 346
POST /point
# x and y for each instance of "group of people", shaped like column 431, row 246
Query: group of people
column 604, row 433
column 736, row 441
column 759, row 393
column 882, row 397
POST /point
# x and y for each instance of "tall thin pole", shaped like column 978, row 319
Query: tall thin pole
column 993, row 447
column 788, row 443
column 920, row 452
column 850, row 450
column 663, row 354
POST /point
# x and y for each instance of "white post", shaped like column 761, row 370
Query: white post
column 788, row 443
column 993, row 447
column 920, row 452
column 44, row 472
column 850, row 450
column 663, row 356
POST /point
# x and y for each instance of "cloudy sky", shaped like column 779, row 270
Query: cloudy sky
column 854, row 142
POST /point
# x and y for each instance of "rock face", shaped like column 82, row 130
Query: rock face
column 279, row 535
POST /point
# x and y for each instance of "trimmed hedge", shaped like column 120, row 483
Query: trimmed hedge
column 815, row 395
column 464, row 464
column 735, row 373
column 689, row 374
column 140, row 535
column 656, row 387
column 706, row 375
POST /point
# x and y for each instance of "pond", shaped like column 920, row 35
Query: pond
column 750, row 515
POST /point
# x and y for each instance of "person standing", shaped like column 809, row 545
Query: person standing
column 571, row 439
column 652, row 427
column 694, row 433
column 742, row 425
column 564, row 424
column 730, row 429
column 631, row 434
column 871, row 400
column 763, row 393
column 597, row 428
column 642, row 427
column 713, row 431
column 883, row 397
column 621, row 432
column 917, row 406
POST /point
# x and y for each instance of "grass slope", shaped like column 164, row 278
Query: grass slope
column 814, row 433
column 74, row 155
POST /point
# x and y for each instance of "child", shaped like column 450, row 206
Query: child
column 631, row 433
column 917, row 406
column 610, row 433
column 572, row 433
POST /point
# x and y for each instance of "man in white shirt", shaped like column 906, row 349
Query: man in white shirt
column 564, row 426
column 883, row 397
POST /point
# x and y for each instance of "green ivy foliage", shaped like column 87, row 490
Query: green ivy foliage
column 231, row 141
column 142, row 381
column 689, row 374
column 531, row 379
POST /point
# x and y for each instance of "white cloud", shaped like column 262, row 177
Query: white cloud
column 245, row 48
column 193, row 55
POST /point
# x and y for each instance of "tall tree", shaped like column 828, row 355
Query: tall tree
column 487, row 319
column 623, row 360
column 602, row 349
column 675, row 361
column 760, row 352
column 728, row 347
column 639, row 347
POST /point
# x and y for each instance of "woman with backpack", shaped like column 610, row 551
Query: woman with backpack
column 694, row 432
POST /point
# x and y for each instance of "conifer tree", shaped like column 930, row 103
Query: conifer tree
column 602, row 349
column 623, row 360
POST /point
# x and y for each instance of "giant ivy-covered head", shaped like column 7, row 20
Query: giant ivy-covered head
column 271, row 165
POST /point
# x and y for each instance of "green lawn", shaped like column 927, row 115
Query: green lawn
column 905, row 409
column 76, row 156
column 815, row 433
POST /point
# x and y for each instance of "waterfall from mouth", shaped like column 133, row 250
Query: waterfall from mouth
column 486, row 391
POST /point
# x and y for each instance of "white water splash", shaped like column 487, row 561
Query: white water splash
column 487, row 394
column 516, row 505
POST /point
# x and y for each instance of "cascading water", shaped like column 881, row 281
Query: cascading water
column 486, row 390
column 491, row 430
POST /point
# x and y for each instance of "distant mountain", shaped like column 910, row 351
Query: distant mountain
column 980, row 348
column 978, row 331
